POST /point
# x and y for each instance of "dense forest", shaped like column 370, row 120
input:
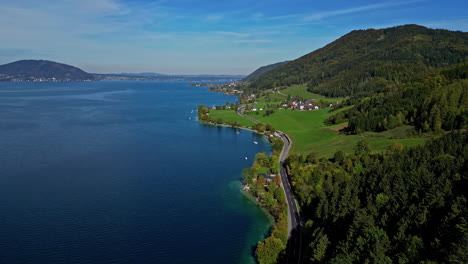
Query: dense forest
column 401, row 206
column 364, row 61
column 437, row 101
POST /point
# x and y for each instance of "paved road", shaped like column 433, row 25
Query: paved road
column 294, row 218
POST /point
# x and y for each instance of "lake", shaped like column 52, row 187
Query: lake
column 122, row 172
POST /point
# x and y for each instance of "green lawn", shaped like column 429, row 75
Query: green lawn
column 273, row 97
column 263, row 104
column 231, row 115
column 309, row 134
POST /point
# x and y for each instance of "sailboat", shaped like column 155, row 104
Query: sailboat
column 255, row 142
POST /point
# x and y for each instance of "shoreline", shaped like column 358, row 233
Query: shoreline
column 244, row 192
column 251, row 198
column 229, row 126
column 285, row 219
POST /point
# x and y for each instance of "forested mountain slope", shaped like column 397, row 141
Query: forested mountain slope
column 368, row 60
column 402, row 206
column 436, row 101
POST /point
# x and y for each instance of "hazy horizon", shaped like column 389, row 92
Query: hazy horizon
column 185, row 38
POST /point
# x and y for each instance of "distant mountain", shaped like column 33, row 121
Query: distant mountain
column 213, row 76
column 262, row 70
column 363, row 61
column 42, row 69
column 148, row 76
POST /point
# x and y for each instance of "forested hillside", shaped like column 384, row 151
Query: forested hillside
column 368, row 60
column 437, row 101
column 402, row 206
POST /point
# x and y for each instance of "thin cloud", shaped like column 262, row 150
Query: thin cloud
column 214, row 18
column 232, row 34
column 257, row 16
column 95, row 7
column 253, row 41
column 321, row 15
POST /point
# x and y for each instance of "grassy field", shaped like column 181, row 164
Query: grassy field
column 231, row 115
column 309, row 134
column 273, row 97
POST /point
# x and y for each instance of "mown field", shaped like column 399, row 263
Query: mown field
column 309, row 134
column 307, row 129
column 230, row 115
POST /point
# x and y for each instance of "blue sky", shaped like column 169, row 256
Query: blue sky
column 198, row 37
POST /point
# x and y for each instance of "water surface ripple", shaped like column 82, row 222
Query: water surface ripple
column 121, row 172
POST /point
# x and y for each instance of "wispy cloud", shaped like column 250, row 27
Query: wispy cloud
column 96, row 7
column 321, row 15
column 232, row 34
column 178, row 33
column 214, row 18
column 252, row 41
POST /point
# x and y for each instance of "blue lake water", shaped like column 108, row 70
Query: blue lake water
column 121, row 172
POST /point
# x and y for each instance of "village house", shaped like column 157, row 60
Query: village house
column 268, row 177
column 306, row 106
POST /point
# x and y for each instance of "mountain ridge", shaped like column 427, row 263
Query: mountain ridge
column 367, row 60
column 42, row 69
column 262, row 70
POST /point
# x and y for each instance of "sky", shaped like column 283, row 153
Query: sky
column 198, row 37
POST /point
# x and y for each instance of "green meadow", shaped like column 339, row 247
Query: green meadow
column 309, row 134
column 230, row 115
column 307, row 129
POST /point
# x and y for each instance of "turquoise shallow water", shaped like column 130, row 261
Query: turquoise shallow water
column 121, row 172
